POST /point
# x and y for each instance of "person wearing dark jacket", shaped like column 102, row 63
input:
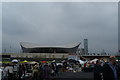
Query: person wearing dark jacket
column 110, row 70
column 46, row 71
column 98, row 71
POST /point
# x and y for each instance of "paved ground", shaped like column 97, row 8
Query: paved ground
column 76, row 76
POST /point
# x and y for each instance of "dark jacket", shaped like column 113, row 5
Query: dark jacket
column 108, row 72
column 97, row 72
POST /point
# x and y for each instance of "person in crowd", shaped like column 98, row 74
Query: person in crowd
column 15, row 70
column 65, row 66
column 70, row 69
column 98, row 71
column 4, row 72
column 85, row 66
column 20, row 72
column 46, row 71
column 35, row 71
column 24, row 69
column 59, row 67
column 54, row 68
column 102, row 62
column 40, row 71
column 9, row 70
column 77, row 67
column 110, row 71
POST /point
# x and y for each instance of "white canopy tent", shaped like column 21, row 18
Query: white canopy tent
column 14, row 60
column 81, row 62
column 94, row 60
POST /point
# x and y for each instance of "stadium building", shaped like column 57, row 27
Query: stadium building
column 35, row 48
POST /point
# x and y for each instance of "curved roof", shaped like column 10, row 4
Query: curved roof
column 31, row 45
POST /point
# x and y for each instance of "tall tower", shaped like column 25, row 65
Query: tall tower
column 86, row 46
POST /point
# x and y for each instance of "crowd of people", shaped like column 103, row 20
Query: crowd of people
column 24, row 71
column 37, row 71
column 107, row 70
column 49, row 71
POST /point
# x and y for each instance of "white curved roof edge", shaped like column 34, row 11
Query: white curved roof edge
column 31, row 45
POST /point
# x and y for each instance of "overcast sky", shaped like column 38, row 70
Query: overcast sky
column 59, row 24
column 0, row 27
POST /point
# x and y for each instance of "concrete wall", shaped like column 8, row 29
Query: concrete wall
column 37, row 55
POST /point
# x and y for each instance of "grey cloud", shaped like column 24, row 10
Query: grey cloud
column 61, row 23
column 0, row 27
